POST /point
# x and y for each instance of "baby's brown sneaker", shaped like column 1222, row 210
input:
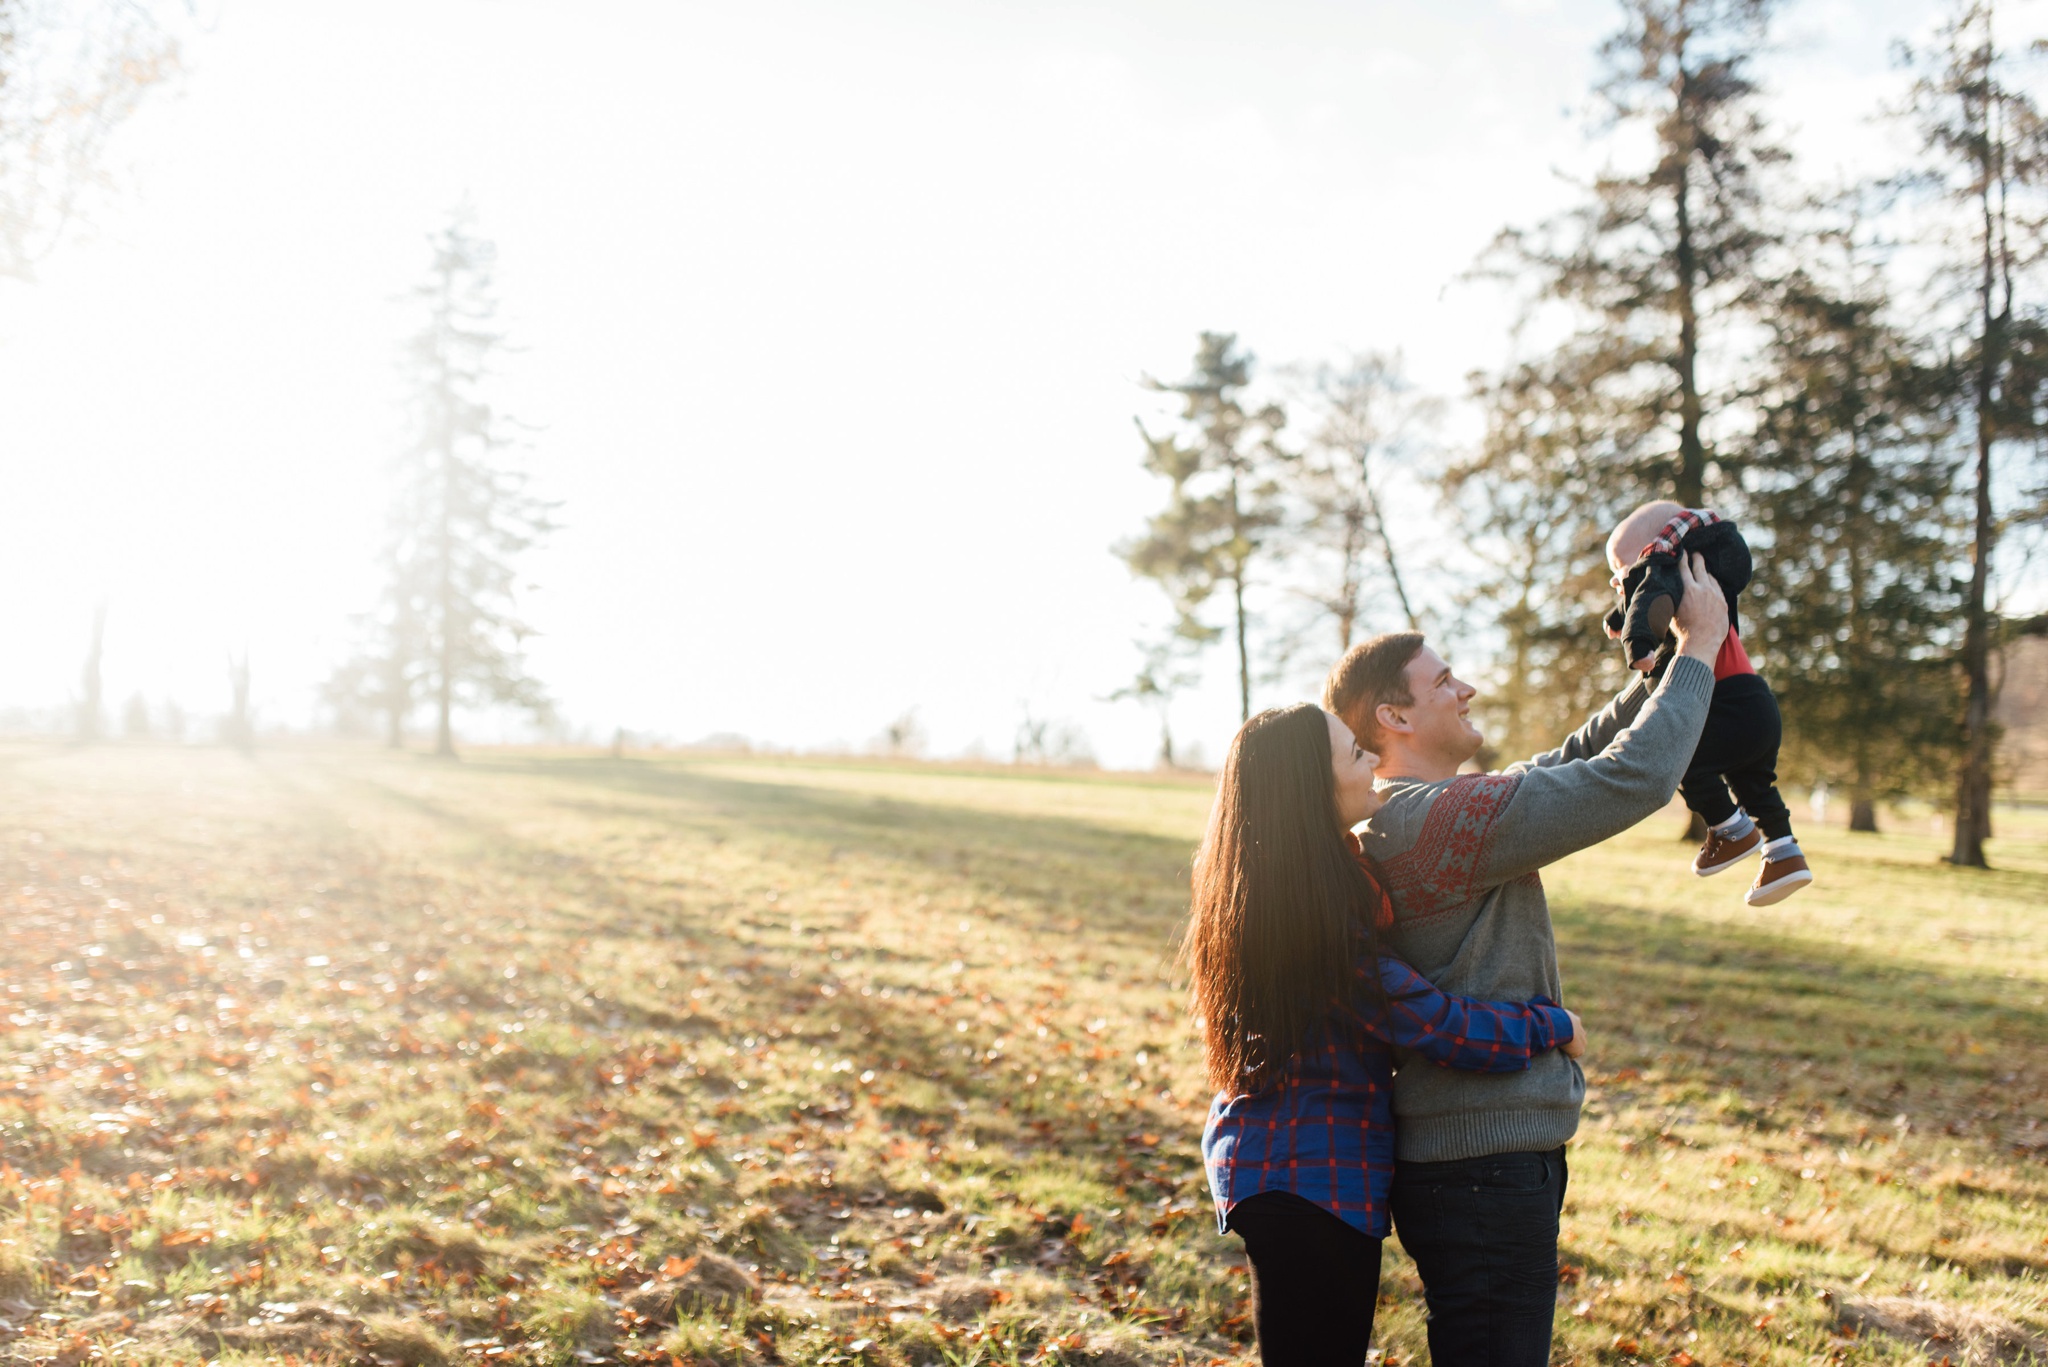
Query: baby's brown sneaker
column 1777, row 880
column 1719, row 853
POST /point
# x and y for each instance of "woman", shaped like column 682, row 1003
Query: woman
column 1298, row 1011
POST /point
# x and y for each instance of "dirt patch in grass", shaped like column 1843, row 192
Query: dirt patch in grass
column 1941, row 1330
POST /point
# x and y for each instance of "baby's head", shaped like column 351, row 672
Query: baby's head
column 1637, row 530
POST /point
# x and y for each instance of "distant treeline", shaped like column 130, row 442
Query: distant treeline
column 1857, row 373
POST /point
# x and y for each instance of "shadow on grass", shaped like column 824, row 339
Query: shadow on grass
column 1121, row 894
column 1121, row 883
column 1782, row 1028
column 1782, row 1025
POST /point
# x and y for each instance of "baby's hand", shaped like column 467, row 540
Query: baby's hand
column 1643, row 665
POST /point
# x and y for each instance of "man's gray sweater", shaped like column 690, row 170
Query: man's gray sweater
column 1461, row 857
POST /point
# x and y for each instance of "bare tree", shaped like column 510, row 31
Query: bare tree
column 71, row 71
column 1367, row 419
column 1164, row 673
column 1040, row 740
column 902, row 738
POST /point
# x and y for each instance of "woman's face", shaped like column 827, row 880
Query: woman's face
column 1352, row 764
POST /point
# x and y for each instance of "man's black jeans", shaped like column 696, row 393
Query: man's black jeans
column 1738, row 750
column 1483, row 1234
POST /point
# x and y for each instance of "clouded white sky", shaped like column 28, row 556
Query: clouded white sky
column 831, row 320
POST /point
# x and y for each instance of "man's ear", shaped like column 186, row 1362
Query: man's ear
column 1389, row 719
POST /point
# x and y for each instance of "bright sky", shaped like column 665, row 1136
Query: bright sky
column 831, row 319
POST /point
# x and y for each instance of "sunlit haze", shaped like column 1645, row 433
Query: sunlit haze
column 831, row 321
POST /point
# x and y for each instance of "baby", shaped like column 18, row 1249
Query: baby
column 1738, row 748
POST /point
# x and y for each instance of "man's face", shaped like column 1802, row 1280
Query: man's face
column 1439, row 719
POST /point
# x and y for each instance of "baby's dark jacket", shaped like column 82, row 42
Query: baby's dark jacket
column 1651, row 588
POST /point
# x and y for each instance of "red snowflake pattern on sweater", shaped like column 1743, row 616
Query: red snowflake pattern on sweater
column 1440, row 871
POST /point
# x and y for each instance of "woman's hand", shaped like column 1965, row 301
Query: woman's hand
column 1575, row 1047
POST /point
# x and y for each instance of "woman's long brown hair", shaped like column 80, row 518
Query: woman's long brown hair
column 1281, row 905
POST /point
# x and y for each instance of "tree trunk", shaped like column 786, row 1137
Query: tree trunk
column 1239, row 553
column 1690, row 485
column 444, row 730
column 1244, row 659
column 1862, row 805
column 1379, row 526
column 90, row 701
column 394, row 729
column 1973, row 781
column 1695, row 830
column 1856, row 651
column 444, row 685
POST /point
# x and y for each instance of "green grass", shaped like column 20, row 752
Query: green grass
column 336, row 1056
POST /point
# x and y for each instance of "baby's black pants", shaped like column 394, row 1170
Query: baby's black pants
column 1738, row 751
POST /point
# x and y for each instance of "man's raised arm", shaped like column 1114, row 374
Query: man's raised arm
column 1568, row 804
column 1600, row 728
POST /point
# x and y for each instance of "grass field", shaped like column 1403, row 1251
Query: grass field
column 337, row 1056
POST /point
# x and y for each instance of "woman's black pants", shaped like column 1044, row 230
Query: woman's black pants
column 1315, row 1281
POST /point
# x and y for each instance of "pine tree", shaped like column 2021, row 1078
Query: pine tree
column 447, row 632
column 1987, row 163
column 1661, row 260
column 1653, row 283
column 1225, row 499
column 1852, row 466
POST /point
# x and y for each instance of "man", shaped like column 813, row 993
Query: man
column 1480, row 1167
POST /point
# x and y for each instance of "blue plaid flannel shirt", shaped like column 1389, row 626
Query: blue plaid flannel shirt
column 1324, row 1129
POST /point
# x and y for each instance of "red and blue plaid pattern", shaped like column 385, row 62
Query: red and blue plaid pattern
column 1324, row 1129
column 1674, row 531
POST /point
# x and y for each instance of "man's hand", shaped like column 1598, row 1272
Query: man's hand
column 1660, row 623
column 1574, row 1047
column 1702, row 619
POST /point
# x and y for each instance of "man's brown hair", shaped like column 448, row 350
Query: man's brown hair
column 1371, row 672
